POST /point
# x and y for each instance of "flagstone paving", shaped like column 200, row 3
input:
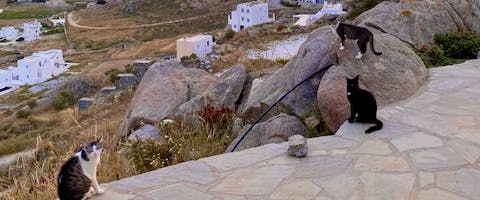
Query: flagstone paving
column 429, row 148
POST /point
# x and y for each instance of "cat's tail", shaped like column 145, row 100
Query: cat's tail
column 378, row 126
column 371, row 45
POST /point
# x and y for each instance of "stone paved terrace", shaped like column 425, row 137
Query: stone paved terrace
column 429, row 148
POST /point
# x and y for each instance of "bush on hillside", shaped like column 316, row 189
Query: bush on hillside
column 289, row 4
column 450, row 48
column 63, row 100
column 229, row 34
column 22, row 114
column 459, row 45
column 364, row 6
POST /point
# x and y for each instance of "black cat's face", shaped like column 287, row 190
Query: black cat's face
column 352, row 84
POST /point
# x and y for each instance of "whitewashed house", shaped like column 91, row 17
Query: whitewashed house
column 36, row 68
column 200, row 45
column 9, row 33
column 327, row 9
column 249, row 14
column 32, row 30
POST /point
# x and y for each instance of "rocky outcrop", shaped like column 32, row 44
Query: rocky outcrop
column 223, row 93
column 416, row 22
column 162, row 90
column 311, row 57
column 275, row 130
column 147, row 132
column 393, row 76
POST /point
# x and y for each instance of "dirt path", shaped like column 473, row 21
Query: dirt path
column 73, row 23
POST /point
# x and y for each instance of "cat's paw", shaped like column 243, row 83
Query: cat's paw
column 351, row 120
column 342, row 48
column 359, row 56
column 100, row 191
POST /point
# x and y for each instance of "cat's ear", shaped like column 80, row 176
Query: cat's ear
column 356, row 78
column 99, row 139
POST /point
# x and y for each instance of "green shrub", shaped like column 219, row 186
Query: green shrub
column 32, row 103
column 450, row 48
column 112, row 74
column 289, row 4
column 459, row 45
column 433, row 55
column 229, row 34
column 282, row 61
column 192, row 57
column 22, row 114
column 63, row 100
column 364, row 6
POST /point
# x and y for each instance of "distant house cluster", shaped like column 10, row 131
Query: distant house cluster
column 31, row 31
column 34, row 69
column 249, row 14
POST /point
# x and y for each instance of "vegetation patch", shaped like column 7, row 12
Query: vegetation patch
column 183, row 143
column 450, row 48
column 363, row 6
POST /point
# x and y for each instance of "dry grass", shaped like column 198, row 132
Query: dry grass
column 34, row 178
column 57, row 41
column 184, row 143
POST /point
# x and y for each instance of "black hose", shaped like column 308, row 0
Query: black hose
column 324, row 68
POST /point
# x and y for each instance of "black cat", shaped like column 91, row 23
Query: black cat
column 361, row 34
column 363, row 106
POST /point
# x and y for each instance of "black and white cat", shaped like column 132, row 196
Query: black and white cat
column 361, row 34
column 77, row 179
column 363, row 106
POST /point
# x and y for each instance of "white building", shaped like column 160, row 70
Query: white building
column 34, row 69
column 249, row 14
column 327, row 9
column 9, row 33
column 200, row 45
column 32, row 30
column 57, row 21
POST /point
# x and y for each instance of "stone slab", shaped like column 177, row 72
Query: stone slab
column 381, row 163
column 463, row 181
column 436, row 158
column 387, row 186
column 253, row 181
column 177, row 191
column 296, row 189
column 416, row 140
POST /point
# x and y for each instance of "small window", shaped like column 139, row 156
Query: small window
column 242, row 9
column 26, row 66
column 28, row 76
column 242, row 18
column 198, row 46
column 248, row 19
column 208, row 43
column 248, row 11
column 234, row 26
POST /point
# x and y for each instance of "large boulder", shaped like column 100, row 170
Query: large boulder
column 393, row 76
column 222, row 94
column 416, row 22
column 312, row 56
column 275, row 130
column 162, row 90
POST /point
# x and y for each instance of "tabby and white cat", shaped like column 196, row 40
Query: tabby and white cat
column 77, row 179
column 363, row 106
column 361, row 34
